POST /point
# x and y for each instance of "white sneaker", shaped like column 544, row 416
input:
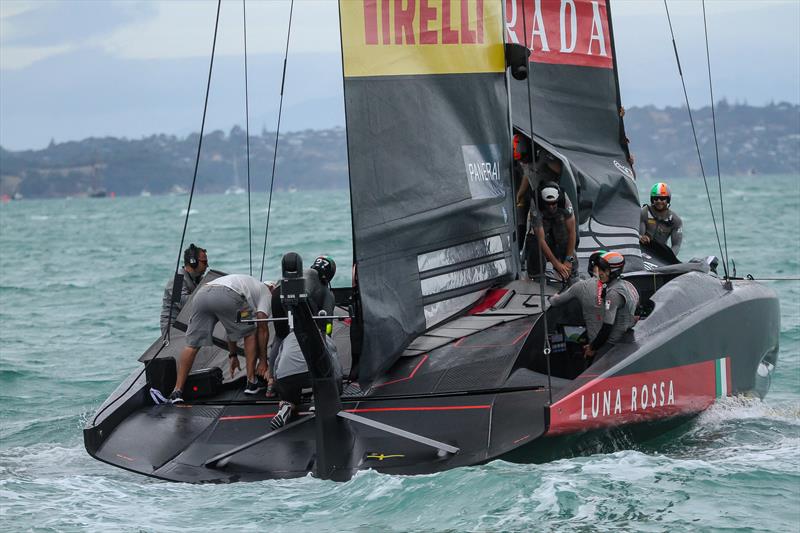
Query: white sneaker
column 282, row 416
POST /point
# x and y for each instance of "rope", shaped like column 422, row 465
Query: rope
column 277, row 136
column 197, row 158
column 165, row 343
column 247, row 138
column 546, row 348
column 773, row 279
column 714, row 123
column 694, row 133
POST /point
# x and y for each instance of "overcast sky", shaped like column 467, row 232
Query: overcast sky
column 74, row 69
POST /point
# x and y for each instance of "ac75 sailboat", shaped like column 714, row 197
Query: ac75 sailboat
column 447, row 339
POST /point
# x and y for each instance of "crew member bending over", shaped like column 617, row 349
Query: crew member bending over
column 607, row 302
column 221, row 300
column 552, row 232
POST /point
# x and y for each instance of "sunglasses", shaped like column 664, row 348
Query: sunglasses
column 660, row 199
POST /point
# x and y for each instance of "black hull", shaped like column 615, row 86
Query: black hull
column 477, row 395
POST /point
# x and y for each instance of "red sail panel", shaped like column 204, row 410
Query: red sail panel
column 562, row 32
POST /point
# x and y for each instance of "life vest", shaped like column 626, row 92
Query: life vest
column 625, row 318
column 555, row 230
column 658, row 229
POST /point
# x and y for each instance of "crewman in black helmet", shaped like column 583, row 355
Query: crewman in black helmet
column 287, row 362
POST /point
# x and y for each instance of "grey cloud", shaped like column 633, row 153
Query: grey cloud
column 72, row 23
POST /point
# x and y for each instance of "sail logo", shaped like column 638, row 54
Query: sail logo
column 609, row 401
column 428, row 22
column 564, row 32
column 408, row 37
column 640, row 398
column 624, row 169
column 483, row 171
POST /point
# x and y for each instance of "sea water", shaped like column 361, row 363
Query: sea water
column 81, row 282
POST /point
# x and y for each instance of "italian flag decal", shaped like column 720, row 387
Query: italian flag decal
column 723, row 376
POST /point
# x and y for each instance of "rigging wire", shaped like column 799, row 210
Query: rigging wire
column 714, row 124
column 696, row 143
column 197, row 157
column 277, row 136
column 247, row 139
column 166, row 340
column 546, row 348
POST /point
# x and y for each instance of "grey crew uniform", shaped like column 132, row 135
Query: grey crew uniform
column 556, row 235
column 662, row 227
column 289, row 359
column 222, row 300
column 586, row 293
column 620, row 308
column 189, row 285
column 285, row 358
column 616, row 308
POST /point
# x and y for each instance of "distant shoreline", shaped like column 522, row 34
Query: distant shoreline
column 753, row 141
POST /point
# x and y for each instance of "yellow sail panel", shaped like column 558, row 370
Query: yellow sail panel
column 407, row 37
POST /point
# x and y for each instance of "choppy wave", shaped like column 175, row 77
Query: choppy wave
column 79, row 302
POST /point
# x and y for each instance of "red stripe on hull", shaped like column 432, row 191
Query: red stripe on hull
column 410, row 376
column 614, row 401
column 424, row 408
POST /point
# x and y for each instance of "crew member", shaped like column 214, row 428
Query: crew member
column 658, row 222
column 286, row 358
column 607, row 302
column 221, row 300
column 523, row 169
column 195, row 263
column 548, row 168
column 552, row 232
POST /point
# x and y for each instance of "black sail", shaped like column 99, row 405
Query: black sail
column 428, row 136
column 575, row 105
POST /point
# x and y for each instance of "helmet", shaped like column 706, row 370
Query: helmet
column 660, row 190
column 614, row 262
column 550, row 192
column 521, row 147
column 325, row 267
column 593, row 261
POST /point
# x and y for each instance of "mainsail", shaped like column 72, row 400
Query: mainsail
column 428, row 130
column 575, row 108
